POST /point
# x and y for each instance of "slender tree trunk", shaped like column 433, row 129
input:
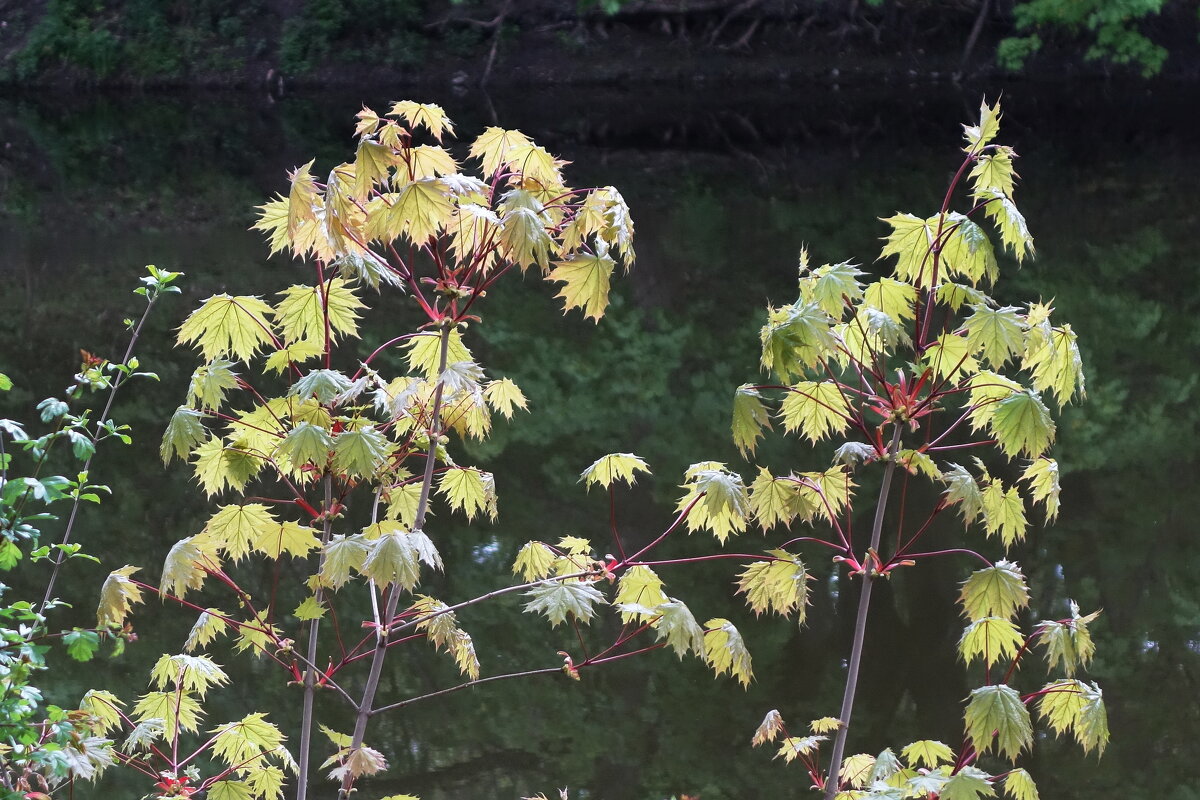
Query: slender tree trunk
column 860, row 622
column 393, row 593
column 310, row 671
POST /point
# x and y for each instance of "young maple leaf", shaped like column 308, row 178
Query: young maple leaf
column 997, row 716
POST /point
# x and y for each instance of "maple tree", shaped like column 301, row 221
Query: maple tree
column 916, row 371
column 323, row 461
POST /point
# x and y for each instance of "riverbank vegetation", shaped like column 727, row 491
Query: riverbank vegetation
column 260, row 42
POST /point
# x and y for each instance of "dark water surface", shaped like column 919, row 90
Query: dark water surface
column 726, row 184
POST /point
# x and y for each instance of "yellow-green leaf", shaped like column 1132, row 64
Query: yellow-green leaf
column 910, row 241
column 929, row 752
column 429, row 115
column 992, row 638
column 235, row 528
column 505, row 396
column 725, row 651
column 816, row 409
column 749, row 418
column 614, row 467
column 1041, row 476
column 301, row 313
column 534, row 561
column 586, row 282
column 779, row 585
column 228, row 326
column 639, row 586
column 117, row 595
column 892, row 297
column 998, row 332
column 995, row 591
column 469, row 491
column 309, row 609
column 495, row 146
column 1004, row 512
column 1019, row 785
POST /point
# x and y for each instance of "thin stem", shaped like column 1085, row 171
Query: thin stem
column 118, row 382
column 860, row 624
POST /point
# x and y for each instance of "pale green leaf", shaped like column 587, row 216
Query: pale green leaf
column 208, row 626
column 794, row 746
column 894, row 298
column 560, row 599
column 533, row 561
column 341, row 555
column 505, row 396
column 1069, row 642
column 306, row 444
column 966, row 251
column 209, row 384
column 962, row 488
column 323, row 384
column 832, row 286
column 723, row 507
column 235, row 528
column 993, row 171
column 749, row 418
column 177, row 711
column 1014, row 233
column 774, row 500
column 469, row 491
column 996, row 716
column 362, row 452
column 995, row 591
column 989, row 125
column 641, row 586
column 679, row 628
column 998, row 333
column 796, row 337
column 910, row 241
column 968, row 783
column 304, row 311
column 309, row 609
column 195, row 674
column 184, row 432
column 950, row 357
column 428, row 115
column 1021, row 423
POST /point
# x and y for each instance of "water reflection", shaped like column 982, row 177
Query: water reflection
column 725, row 185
